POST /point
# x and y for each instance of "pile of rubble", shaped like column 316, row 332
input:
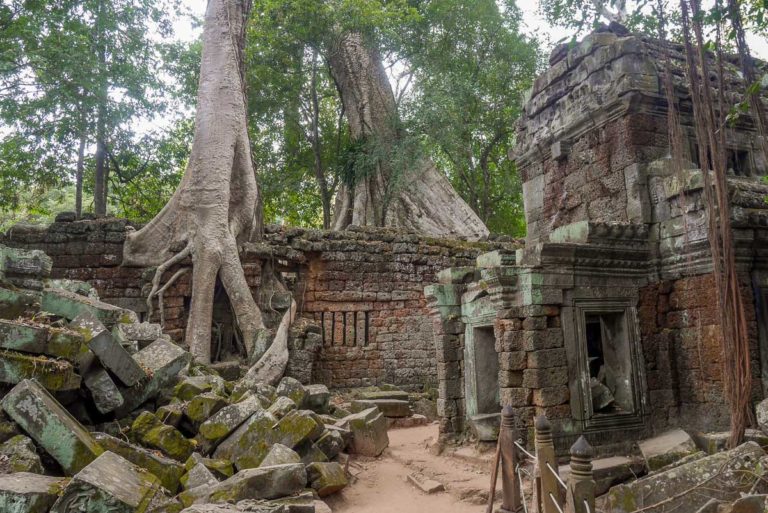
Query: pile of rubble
column 103, row 413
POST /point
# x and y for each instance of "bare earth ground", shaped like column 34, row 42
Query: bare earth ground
column 381, row 486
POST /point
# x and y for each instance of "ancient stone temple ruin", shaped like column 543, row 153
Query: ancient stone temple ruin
column 605, row 319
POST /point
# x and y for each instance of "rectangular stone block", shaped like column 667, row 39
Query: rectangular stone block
column 56, row 375
column 517, row 397
column 23, row 492
column 51, row 426
column 162, row 360
column 69, row 305
column 40, row 339
column 551, row 396
column 167, row 470
column 550, row 338
column 109, row 352
column 543, row 378
column 14, row 303
column 105, row 394
column 111, row 483
column 546, row 358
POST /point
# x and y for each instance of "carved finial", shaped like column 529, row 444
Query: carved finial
column 542, row 423
column 581, row 449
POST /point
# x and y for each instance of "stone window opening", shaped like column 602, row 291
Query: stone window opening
column 738, row 161
column 605, row 363
column 609, row 364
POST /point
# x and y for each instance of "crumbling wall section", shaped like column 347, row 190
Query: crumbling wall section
column 362, row 287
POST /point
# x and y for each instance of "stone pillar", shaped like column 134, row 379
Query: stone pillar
column 547, row 485
column 512, row 499
column 580, row 496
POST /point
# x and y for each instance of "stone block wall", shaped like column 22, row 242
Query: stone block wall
column 363, row 288
column 682, row 345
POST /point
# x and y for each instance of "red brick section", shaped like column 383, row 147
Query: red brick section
column 680, row 333
column 378, row 274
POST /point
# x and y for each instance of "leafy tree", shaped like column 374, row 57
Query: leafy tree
column 472, row 66
column 74, row 75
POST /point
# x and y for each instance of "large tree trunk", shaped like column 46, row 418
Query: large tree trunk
column 420, row 199
column 79, row 175
column 216, row 205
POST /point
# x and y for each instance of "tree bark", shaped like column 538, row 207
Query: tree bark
column 216, row 206
column 79, row 175
column 100, row 179
column 420, row 199
column 322, row 182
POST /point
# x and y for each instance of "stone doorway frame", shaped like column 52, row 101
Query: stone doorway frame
column 470, row 370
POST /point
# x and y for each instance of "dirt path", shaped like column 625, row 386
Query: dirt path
column 381, row 485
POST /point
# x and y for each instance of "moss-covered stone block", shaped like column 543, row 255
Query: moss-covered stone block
column 51, row 426
column 56, row 375
column 104, row 392
column 168, row 471
column 203, row 406
column 27, row 337
column 281, row 407
column 293, row 389
column 21, row 455
column 29, row 493
column 280, row 455
column 326, row 478
column 15, row 303
column 226, row 420
column 261, row 483
column 111, row 484
column 69, row 305
column 190, row 387
column 249, row 444
column 151, row 432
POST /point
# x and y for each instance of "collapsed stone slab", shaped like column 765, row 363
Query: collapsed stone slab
column 104, row 392
column 226, row 420
column 261, row 483
column 53, row 374
column 667, row 448
column 27, row 337
column 21, row 455
column 167, row 470
column 393, row 408
column 725, row 475
column 23, row 492
column 51, row 426
column 153, row 433
column 69, row 305
column 369, row 432
column 111, row 483
column 326, row 478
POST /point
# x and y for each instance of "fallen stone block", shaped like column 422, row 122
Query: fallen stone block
column 425, row 484
column 171, row 414
column 718, row 441
column 21, row 455
column 162, row 361
column 331, row 443
column 611, row 471
column 311, row 453
column 51, row 426
column 192, row 386
column 389, row 407
column 317, row 399
column 281, row 407
column 326, row 478
column 397, row 395
column 15, row 262
column 280, row 455
column 105, row 394
column 226, row 420
column 70, row 305
column 148, row 429
column 15, row 303
column 220, row 468
column 40, row 339
column 111, row 483
column 667, row 448
column 229, row 371
column 146, row 332
column 249, row 444
column 29, row 493
column 724, row 475
column 297, row 427
column 293, row 389
column 369, row 432
column 168, row 471
column 109, row 352
column 261, row 483
column 201, row 407
column 56, row 375
column 198, row 475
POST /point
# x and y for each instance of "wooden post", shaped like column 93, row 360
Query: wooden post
column 545, row 458
column 512, row 497
column 580, row 497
